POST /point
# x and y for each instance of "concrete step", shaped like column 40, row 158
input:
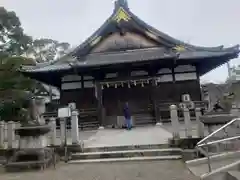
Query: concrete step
column 233, row 175
column 144, row 120
column 127, row 153
column 219, row 163
column 146, row 158
column 140, row 123
column 127, row 147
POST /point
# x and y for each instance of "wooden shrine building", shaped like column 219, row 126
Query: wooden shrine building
column 128, row 60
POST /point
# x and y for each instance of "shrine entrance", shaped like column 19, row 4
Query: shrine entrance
column 138, row 96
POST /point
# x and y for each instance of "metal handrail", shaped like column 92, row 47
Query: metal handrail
column 221, row 128
column 219, row 141
column 204, row 143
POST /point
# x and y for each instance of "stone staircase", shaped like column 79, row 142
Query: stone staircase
column 225, row 166
column 144, row 119
column 88, row 120
column 233, row 175
column 126, row 153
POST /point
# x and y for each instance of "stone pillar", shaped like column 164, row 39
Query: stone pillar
column 11, row 134
column 174, row 121
column 53, row 131
column 5, row 131
column 200, row 125
column 62, row 131
column 17, row 137
column 187, row 121
column 235, row 111
column 74, row 127
column 1, row 134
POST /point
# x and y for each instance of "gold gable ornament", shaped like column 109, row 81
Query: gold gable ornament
column 179, row 48
column 121, row 15
column 151, row 35
column 95, row 40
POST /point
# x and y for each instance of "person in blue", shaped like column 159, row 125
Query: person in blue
column 127, row 116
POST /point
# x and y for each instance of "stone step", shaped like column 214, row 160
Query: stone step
column 233, row 175
column 127, row 153
column 127, row 147
column 145, row 158
column 143, row 120
column 139, row 123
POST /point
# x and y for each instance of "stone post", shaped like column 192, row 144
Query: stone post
column 53, row 131
column 187, row 121
column 235, row 111
column 5, row 131
column 62, row 131
column 74, row 127
column 17, row 137
column 200, row 125
column 174, row 121
column 1, row 134
column 11, row 134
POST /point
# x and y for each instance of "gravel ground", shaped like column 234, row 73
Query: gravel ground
column 150, row 170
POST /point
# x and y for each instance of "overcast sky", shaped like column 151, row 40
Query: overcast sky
column 200, row 22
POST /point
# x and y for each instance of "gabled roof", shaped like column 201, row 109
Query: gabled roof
column 123, row 18
column 121, row 14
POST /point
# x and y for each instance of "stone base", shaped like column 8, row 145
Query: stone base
column 159, row 124
column 101, row 128
column 29, row 142
column 31, row 158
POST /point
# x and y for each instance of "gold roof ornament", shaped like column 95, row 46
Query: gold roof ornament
column 95, row 40
column 121, row 15
column 151, row 35
column 179, row 48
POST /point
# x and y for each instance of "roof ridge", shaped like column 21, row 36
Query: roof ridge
column 121, row 3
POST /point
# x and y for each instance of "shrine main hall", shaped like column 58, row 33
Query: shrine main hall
column 127, row 60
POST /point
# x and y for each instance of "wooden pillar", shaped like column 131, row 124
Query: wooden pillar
column 152, row 71
column 173, row 73
column 100, row 109
column 154, row 102
column 198, row 80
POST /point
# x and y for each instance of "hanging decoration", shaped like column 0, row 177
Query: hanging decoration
column 129, row 83
column 135, row 83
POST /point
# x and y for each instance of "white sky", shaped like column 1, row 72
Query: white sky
column 200, row 22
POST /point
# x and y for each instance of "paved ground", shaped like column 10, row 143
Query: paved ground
column 182, row 128
column 164, row 170
column 122, row 137
column 138, row 135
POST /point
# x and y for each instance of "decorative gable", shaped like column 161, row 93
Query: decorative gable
column 121, row 15
column 117, row 42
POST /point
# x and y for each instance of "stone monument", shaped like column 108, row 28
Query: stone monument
column 32, row 151
column 218, row 116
